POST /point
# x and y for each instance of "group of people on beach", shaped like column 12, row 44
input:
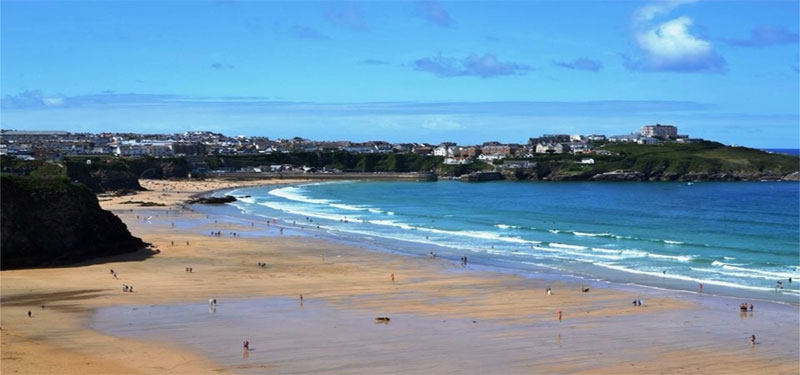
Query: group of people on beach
column 262, row 264
column 189, row 269
column 113, row 274
column 127, row 288
column 463, row 261
column 638, row 302
column 743, row 307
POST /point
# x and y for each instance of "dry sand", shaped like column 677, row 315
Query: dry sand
column 516, row 330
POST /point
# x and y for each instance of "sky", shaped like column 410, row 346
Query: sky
column 404, row 71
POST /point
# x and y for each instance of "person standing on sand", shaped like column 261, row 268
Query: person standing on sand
column 559, row 315
column 30, row 314
column 392, row 276
column 752, row 339
column 700, row 286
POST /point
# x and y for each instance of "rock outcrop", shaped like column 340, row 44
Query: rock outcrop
column 50, row 221
column 212, row 200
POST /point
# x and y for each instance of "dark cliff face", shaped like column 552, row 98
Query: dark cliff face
column 50, row 221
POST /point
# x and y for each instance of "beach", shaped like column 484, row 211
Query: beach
column 445, row 317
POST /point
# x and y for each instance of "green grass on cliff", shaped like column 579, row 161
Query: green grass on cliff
column 707, row 157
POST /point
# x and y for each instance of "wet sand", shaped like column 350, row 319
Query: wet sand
column 89, row 325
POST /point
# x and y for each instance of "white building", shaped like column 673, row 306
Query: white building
column 659, row 131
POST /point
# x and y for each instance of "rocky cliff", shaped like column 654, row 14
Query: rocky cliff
column 50, row 221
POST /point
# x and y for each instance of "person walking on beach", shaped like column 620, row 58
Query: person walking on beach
column 392, row 276
column 246, row 345
column 559, row 315
column 30, row 314
column 700, row 286
column 752, row 339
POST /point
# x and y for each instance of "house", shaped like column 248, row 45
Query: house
column 446, row 149
column 456, row 160
column 648, row 141
column 552, row 148
column 422, row 149
column 489, row 157
column 497, row 148
column 381, row 146
column 633, row 137
column 402, row 147
column 578, row 147
column 596, row 137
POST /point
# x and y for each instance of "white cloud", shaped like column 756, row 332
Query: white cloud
column 670, row 45
column 53, row 102
column 653, row 10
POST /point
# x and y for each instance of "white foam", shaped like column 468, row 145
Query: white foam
column 479, row 235
column 246, row 200
column 506, row 226
column 679, row 258
column 392, row 223
column 348, row 207
column 584, row 234
column 294, row 210
column 294, row 193
column 554, row 231
column 732, row 274
column 772, row 274
column 681, row 277
column 564, row 246
column 673, row 242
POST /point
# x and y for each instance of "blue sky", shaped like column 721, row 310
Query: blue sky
column 466, row 71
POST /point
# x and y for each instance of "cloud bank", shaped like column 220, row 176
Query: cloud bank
column 433, row 12
column 485, row 66
column 763, row 36
column 580, row 64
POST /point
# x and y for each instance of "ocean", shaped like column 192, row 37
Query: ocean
column 787, row 151
column 737, row 239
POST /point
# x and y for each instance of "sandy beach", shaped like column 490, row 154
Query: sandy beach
column 445, row 317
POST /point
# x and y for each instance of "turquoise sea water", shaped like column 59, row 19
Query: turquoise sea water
column 734, row 238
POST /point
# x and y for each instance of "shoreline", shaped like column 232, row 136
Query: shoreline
column 578, row 273
column 348, row 279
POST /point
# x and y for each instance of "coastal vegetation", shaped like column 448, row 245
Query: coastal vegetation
column 671, row 161
column 668, row 161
